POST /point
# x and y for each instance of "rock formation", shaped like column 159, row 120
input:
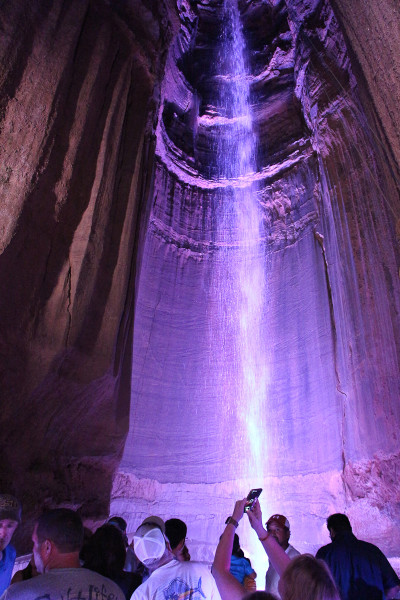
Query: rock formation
column 108, row 262
column 78, row 93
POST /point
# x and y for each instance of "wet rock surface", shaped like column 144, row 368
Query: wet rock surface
column 108, row 186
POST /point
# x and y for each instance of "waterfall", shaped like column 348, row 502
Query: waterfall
column 240, row 277
column 242, row 262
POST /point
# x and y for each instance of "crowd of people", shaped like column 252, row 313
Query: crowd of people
column 71, row 563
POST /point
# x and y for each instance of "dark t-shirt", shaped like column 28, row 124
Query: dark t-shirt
column 360, row 569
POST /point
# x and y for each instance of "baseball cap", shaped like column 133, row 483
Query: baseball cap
column 150, row 545
column 155, row 521
column 280, row 520
column 10, row 508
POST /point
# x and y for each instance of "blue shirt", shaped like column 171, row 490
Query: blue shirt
column 360, row 569
column 240, row 568
column 6, row 567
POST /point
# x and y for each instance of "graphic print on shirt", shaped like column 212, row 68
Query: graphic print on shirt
column 180, row 590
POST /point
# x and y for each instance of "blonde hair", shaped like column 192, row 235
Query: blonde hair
column 307, row 578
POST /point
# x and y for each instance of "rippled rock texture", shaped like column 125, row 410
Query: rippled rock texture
column 110, row 263
column 78, row 91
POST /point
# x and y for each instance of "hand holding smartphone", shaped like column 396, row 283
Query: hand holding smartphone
column 251, row 498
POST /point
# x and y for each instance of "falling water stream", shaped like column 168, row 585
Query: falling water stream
column 242, row 272
column 240, row 225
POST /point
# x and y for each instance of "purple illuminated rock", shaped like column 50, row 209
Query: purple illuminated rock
column 331, row 313
column 111, row 273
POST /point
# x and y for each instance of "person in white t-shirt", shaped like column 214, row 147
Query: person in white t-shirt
column 279, row 528
column 169, row 578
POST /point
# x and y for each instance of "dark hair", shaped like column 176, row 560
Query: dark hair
column 308, row 578
column 118, row 522
column 105, row 551
column 338, row 522
column 176, row 531
column 63, row 527
column 87, row 534
column 236, row 549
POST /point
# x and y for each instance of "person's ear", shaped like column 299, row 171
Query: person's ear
column 47, row 547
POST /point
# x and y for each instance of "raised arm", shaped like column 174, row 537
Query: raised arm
column 276, row 554
column 228, row 586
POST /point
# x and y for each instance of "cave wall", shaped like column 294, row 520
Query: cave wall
column 373, row 40
column 78, row 91
column 330, row 201
column 106, row 211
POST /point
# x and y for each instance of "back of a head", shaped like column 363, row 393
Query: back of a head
column 63, row 527
column 176, row 531
column 118, row 522
column 339, row 523
column 105, row 551
column 307, row 578
column 236, row 549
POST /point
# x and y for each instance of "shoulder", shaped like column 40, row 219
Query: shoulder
column 370, row 547
column 141, row 592
column 100, row 580
column 16, row 590
column 200, row 567
column 191, row 569
column 10, row 553
column 374, row 553
column 324, row 551
column 291, row 551
column 57, row 581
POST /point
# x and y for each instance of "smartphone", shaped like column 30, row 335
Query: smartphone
column 251, row 498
